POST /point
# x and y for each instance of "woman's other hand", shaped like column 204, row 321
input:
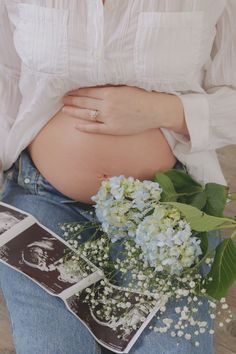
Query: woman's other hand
column 122, row 110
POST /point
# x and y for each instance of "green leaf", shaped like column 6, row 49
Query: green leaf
column 197, row 200
column 216, row 198
column 183, row 183
column 198, row 220
column 169, row 193
column 223, row 271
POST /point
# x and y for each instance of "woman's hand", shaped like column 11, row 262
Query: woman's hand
column 122, row 110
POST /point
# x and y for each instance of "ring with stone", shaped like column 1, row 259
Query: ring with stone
column 93, row 114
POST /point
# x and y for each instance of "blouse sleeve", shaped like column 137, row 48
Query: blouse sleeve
column 10, row 96
column 211, row 116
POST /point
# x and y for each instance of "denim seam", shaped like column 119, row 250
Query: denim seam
column 19, row 172
column 20, row 166
column 36, row 181
column 34, row 175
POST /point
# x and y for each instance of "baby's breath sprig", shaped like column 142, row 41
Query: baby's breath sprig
column 150, row 257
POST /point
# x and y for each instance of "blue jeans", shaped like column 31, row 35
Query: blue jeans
column 41, row 323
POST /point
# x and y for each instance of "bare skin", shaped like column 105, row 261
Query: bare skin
column 75, row 162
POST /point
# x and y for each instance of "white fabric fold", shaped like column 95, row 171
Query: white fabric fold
column 187, row 48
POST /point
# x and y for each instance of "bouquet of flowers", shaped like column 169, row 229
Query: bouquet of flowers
column 151, row 239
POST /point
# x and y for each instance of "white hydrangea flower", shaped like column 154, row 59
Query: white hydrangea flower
column 166, row 240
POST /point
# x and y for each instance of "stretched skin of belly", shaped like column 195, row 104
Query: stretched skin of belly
column 75, row 162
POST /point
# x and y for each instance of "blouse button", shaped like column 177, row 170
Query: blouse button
column 27, row 180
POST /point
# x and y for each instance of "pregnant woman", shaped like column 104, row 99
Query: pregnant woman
column 92, row 89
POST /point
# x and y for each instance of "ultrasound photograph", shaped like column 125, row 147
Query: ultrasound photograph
column 9, row 217
column 107, row 333
column 39, row 254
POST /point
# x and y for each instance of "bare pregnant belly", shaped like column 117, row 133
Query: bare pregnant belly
column 75, row 162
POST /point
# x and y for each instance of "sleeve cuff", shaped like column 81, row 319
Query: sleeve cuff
column 196, row 110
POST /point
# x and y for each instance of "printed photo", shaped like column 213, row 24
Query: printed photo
column 108, row 333
column 8, row 218
column 38, row 254
column 18, row 215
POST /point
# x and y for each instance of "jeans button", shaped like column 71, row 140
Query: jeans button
column 27, row 180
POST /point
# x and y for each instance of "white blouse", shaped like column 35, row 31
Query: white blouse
column 183, row 47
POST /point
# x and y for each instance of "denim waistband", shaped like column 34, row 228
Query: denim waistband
column 25, row 174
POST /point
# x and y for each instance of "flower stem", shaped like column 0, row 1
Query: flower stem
column 232, row 226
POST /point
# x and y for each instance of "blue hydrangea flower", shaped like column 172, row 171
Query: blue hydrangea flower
column 166, row 241
column 122, row 203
